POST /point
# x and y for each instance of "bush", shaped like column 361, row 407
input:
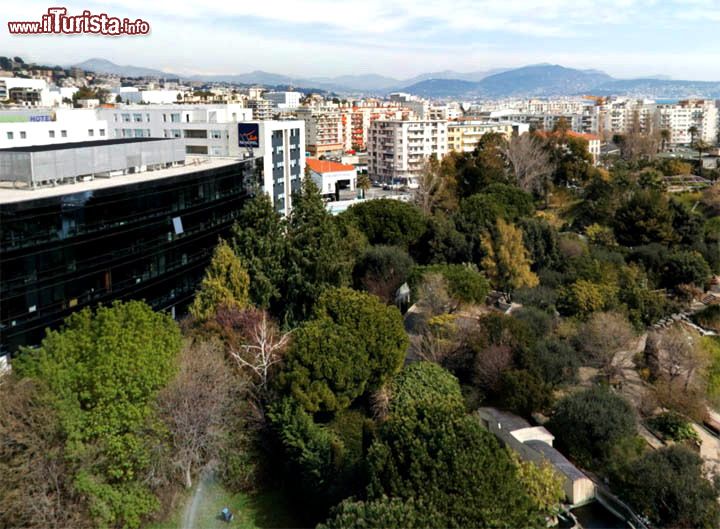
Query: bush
column 589, row 423
column 465, row 283
column 673, row 427
column 389, row 222
column 382, row 270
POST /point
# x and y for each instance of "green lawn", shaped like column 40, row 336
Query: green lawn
column 266, row 510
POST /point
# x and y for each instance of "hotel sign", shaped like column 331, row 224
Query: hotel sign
column 248, row 135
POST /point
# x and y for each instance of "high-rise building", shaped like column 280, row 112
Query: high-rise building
column 323, row 129
column 398, row 150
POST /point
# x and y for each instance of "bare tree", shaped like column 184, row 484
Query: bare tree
column 262, row 348
column 194, row 406
column 435, row 187
column 433, row 344
column 603, row 336
column 490, row 363
column 530, row 163
column 433, row 294
column 681, row 357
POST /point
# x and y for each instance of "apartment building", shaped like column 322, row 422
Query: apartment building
column 25, row 127
column 284, row 100
column 463, row 136
column 398, row 150
column 26, row 92
column 261, row 108
column 680, row 118
column 323, row 129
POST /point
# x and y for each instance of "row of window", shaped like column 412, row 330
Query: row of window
column 51, row 134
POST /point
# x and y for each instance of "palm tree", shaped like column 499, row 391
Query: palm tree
column 665, row 137
column 363, row 183
column 693, row 132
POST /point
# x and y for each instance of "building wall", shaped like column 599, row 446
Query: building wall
column 44, row 126
column 66, row 252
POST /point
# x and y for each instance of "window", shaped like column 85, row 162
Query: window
column 126, row 117
column 137, row 118
column 63, row 133
column 189, row 133
column 51, row 133
column 176, row 133
column 23, row 135
column 164, row 118
column 216, row 134
column 102, row 132
column 91, row 132
column 175, row 118
column 115, row 116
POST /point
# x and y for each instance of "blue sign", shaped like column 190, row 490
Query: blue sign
column 41, row 118
column 248, row 135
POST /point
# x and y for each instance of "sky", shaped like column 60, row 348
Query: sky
column 395, row 38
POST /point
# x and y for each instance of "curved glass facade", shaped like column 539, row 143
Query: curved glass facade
column 148, row 240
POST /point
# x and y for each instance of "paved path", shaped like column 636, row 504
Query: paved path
column 191, row 511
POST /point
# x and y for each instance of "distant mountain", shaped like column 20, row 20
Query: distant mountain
column 107, row 67
column 538, row 80
column 443, row 88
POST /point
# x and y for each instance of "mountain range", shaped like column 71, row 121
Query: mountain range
column 540, row 80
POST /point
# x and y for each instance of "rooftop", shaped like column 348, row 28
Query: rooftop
column 557, row 460
column 325, row 166
column 509, row 421
column 79, row 144
column 9, row 195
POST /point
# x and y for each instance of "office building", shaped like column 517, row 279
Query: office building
column 40, row 126
column 125, row 219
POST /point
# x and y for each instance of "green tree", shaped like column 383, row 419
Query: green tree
column 465, row 283
column 381, row 271
column 383, row 512
column 259, row 241
column 315, row 258
column 645, row 218
column 587, row 424
column 484, row 166
column 669, row 487
column 225, row 283
column 103, row 371
column 523, row 393
column 351, row 346
column 429, row 450
column 684, row 268
column 506, row 262
column 389, row 222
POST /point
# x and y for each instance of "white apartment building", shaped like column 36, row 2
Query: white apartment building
column 681, row 117
column 132, row 95
column 324, row 129
column 27, row 92
column 398, row 150
column 463, row 136
column 261, row 108
column 284, row 100
column 25, row 127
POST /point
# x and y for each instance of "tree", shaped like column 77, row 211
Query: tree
column 665, row 136
column 524, row 393
column 587, row 424
column 465, row 284
column 194, row 407
column 388, row 222
column 262, row 346
column 684, row 267
column 553, row 361
column 382, row 270
column 645, row 218
column 542, row 243
column 433, row 294
column 427, row 449
column 383, row 512
column 363, row 183
column 693, row 131
column 436, row 186
column 531, row 164
column 669, row 487
column 351, row 346
column 543, row 484
column 225, row 283
column 601, row 346
column 584, row 297
column 506, row 261
column 104, row 370
column 484, row 166
column 316, row 255
column 36, row 486
column 259, row 240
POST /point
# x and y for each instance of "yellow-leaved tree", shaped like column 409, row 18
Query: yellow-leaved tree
column 506, row 260
column 226, row 282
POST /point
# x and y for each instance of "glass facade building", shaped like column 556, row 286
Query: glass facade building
column 149, row 240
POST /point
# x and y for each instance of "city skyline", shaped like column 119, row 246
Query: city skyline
column 624, row 38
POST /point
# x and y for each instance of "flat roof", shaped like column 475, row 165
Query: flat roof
column 10, row 195
column 80, row 144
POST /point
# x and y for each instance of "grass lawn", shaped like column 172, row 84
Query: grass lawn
column 266, row 510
